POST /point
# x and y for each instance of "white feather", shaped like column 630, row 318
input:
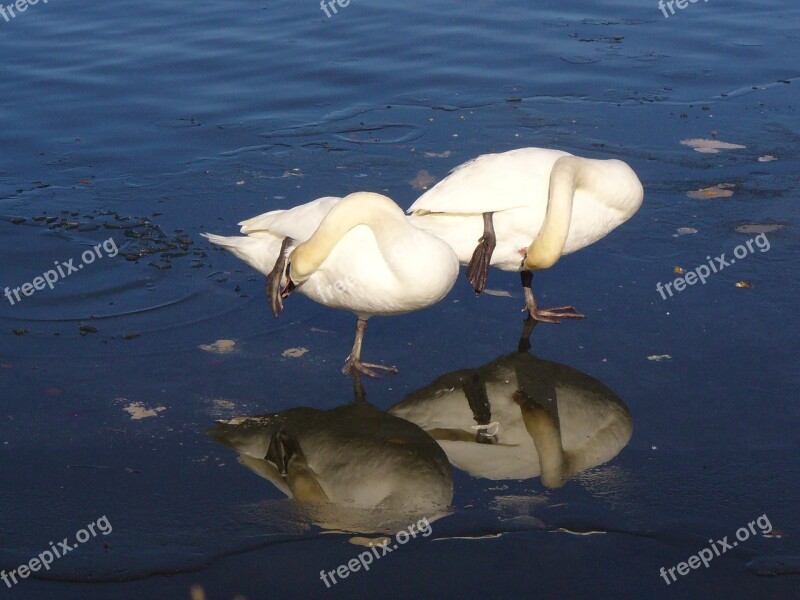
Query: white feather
column 515, row 187
column 406, row 270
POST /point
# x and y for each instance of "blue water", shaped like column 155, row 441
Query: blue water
column 148, row 124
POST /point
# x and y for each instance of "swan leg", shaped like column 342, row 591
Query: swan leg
column 478, row 267
column 274, row 279
column 353, row 362
column 545, row 315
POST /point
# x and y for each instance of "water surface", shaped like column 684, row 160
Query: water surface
column 147, row 125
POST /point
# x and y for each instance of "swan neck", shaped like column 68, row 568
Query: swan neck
column 373, row 210
column 546, row 249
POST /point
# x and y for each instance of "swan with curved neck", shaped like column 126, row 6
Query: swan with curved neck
column 375, row 211
column 535, row 205
column 359, row 253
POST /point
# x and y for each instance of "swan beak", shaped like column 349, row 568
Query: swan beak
column 290, row 285
column 288, row 289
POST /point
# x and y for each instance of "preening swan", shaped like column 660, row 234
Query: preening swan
column 359, row 253
column 526, row 208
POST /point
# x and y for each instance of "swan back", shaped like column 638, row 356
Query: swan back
column 492, row 183
column 367, row 257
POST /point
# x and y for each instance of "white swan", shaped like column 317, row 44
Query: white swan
column 359, row 253
column 526, row 208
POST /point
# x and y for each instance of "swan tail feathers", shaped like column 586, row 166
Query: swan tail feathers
column 259, row 253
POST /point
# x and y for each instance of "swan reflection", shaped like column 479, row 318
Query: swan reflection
column 519, row 417
column 354, row 468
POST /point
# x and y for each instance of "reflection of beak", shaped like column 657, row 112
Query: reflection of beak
column 487, row 434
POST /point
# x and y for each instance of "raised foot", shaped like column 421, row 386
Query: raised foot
column 354, row 367
column 553, row 315
column 478, row 267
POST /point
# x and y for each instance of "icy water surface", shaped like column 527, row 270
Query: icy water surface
column 128, row 129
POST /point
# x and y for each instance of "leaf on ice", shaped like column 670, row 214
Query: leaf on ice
column 710, row 146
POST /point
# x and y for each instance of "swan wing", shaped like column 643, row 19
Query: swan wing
column 298, row 223
column 492, row 183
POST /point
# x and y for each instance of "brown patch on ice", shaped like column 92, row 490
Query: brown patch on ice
column 219, row 347
column 138, row 410
column 721, row 190
column 684, row 231
column 710, row 146
column 759, row 227
column 422, row 181
column 369, row 542
column 294, row 352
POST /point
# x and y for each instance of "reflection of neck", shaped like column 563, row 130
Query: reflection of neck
column 300, row 482
column 547, row 439
column 303, row 481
